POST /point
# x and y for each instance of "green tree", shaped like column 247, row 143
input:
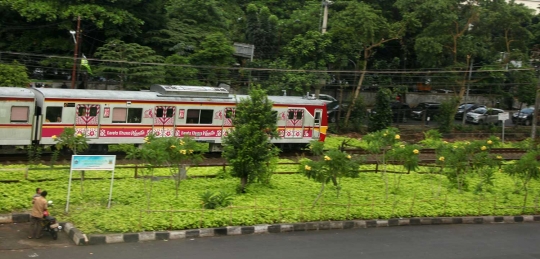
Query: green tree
column 14, row 75
column 71, row 141
column 331, row 166
column 177, row 154
column 129, row 68
column 216, row 51
column 261, row 31
column 362, row 29
column 382, row 118
column 247, row 146
column 526, row 169
column 180, row 75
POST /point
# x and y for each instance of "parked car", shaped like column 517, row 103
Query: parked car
column 430, row 109
column 524, row 116
column 333, row 110
column 325, row 98
column 400, row 111
column 464, row 108
column 484, row 115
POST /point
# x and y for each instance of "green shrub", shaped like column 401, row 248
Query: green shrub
column 214, row 200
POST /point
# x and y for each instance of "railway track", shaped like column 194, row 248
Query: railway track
column 216, row 159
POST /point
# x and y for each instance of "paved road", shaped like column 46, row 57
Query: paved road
column 491, row 241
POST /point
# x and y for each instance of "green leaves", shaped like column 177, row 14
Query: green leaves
column 14, row 75
column 246, row 146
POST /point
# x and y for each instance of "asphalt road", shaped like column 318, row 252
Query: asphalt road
column 491, row 241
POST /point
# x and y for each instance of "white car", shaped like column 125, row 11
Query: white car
column 484, row 115
column 325, row 98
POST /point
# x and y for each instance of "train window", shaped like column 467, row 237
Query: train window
column 159, row 112
column 195, row 116
column 299, row 114
column 317, row 119
column 169, row 113
column 93, row 111
column 275, row 114
column 81, row 111
column 119, row 115
column 19, row 113
column 133, row 115
column 291, row 115
column 53, row 114
column 207, row 116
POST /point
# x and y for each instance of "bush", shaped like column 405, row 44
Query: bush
column 216, row 200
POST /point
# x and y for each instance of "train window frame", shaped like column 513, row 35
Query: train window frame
column 20, row 116
column 53, row 115
column 131, row 115
column 199, row 116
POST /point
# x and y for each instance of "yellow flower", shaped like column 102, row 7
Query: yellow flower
column 54, row 137
column 79, row 135
column 146, row 140
column 397, row 137
column 483, row 148
column 191, row 151
column 441, row 158
column 402, row 146
column 173, row 146
column 307, row 167
column 181, row 143
column 384, row 134
column 499, row 157
column 349, row 156
column 416, row 152
column 183, row 151
column 489, row 142
column 327, row 158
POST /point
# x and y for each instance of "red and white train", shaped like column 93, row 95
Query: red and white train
column 34, row 115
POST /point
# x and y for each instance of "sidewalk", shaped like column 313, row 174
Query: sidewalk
column 14, row 236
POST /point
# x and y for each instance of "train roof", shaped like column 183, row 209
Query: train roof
column 117, row 95
column 16, row 92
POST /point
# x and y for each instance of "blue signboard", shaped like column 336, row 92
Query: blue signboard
column 92, row 162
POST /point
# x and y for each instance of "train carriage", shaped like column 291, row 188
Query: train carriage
column 17, row 109
column 205, row 113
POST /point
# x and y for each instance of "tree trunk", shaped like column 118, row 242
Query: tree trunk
column 243, row 183
column 358, row 87
column 318, row 196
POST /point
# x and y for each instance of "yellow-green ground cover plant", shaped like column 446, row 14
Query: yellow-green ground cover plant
column 421, row 191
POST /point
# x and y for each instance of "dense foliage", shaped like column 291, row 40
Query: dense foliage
column 137, row 43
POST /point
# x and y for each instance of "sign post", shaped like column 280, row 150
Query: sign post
column 503, row 117
column 93, row 163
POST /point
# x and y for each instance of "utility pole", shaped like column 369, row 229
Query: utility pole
column 467, row 91
column 535, row 113
column 75, row 54
column 322, row 81
column 325, row 3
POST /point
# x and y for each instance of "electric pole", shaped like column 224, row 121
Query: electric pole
column 75, row 54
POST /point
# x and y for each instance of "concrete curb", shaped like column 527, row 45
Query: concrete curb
column 80, row 238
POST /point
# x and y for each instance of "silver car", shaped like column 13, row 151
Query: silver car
column 484, row 115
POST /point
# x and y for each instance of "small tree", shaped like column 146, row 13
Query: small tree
column 379, row 143
column 526, row 169
column 330, row 167
column 247, row 146
column 175, row 153
column 75, row 143
column 382, row 119
column 13, row 75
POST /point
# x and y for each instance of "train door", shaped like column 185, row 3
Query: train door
column 227, row 120
column 87, row 120
column 317, row 124
column 164, row 121
column 295, row 123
